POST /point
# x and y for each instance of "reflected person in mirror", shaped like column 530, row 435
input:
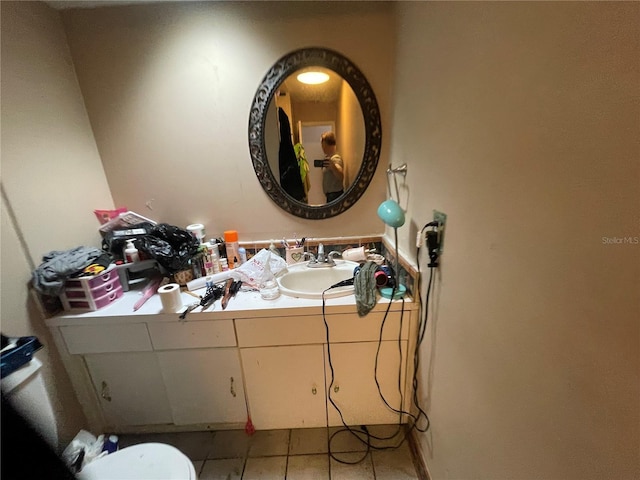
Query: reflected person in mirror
column 332, row 169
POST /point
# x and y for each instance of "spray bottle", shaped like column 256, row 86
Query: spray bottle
column 233, row 254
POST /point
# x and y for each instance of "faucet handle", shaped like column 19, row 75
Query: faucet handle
column 310, row 255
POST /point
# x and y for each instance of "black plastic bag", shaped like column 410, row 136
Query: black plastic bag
column 171, row 246
column 114, row 242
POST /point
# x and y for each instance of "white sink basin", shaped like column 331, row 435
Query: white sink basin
column 305, row 282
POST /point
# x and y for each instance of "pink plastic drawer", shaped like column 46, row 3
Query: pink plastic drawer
column 100, row 291
column 91, row 303
column 93, row 282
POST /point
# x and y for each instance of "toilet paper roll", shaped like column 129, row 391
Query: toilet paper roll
column 171, row 298
column 197, row 230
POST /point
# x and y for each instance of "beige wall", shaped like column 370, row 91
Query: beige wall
column 521, row 122
column 168, row 88
column 517, row 120
column 52, row 178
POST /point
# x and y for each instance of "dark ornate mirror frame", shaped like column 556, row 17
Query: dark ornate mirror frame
column 282, row 69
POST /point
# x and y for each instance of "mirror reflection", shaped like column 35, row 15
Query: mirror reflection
column 287, row 116
column 308, row 169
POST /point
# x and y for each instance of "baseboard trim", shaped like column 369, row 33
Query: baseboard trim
column 416, row 455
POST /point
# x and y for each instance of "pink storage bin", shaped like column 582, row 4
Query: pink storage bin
column 89, row 303
column 99, row 291
column 93, row 282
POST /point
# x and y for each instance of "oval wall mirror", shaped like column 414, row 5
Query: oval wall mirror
column 288, row 117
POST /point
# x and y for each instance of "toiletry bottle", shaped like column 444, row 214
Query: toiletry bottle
column 110, row 444
column 215, row 256
column 208, row 262
column 243, row 255
column 131, row 252
column 224, row 266
column 196, row 266
column 231, row 241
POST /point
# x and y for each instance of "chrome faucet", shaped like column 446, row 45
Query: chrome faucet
column 322, row 260
column 332, row 255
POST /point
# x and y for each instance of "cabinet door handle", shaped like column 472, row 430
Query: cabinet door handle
column 314, row 390
column 336, row 389
column 105, row 392
column 232, row 389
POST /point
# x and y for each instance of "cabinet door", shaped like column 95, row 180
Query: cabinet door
column 285, row 386
column 354, row 388
column 130, row 388
column 204, row 385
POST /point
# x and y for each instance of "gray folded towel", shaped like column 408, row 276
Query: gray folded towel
column 57, row 266
column 365, row 288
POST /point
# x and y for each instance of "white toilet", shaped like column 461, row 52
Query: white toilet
column 146, row 461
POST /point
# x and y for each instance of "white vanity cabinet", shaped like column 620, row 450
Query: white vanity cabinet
column 204, row 386
column 283, row 363
column 287, row 369
column 123, row 369
column 130, row 388
column 358, row 386
column 160, row 374
column 285, row 386
column 354, row 390
column 151, row 372
column 200, row 366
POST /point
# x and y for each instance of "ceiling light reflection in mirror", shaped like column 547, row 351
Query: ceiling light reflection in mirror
column 313, row 78
column 314, row 109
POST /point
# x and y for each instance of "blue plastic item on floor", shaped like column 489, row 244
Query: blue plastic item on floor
column 17, row 352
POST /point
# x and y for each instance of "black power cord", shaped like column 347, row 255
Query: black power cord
column 433, row 246
column 361, row 433
column 433, row 243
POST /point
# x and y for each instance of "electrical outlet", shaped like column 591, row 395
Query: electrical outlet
column 441, row 218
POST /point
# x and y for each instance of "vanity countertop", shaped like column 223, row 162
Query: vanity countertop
column 244, row 304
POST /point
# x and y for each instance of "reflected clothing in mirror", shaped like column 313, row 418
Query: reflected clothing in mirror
column 304, row 169
column 331, row 181
column 290, row 179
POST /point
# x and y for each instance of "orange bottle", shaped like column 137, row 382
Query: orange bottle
column 233, row 253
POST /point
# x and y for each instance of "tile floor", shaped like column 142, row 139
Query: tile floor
column 289, row 454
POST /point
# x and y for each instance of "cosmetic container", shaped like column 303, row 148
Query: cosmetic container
column 231, row 242
column 131, row 252
column 214, row 252
column 224, row 265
